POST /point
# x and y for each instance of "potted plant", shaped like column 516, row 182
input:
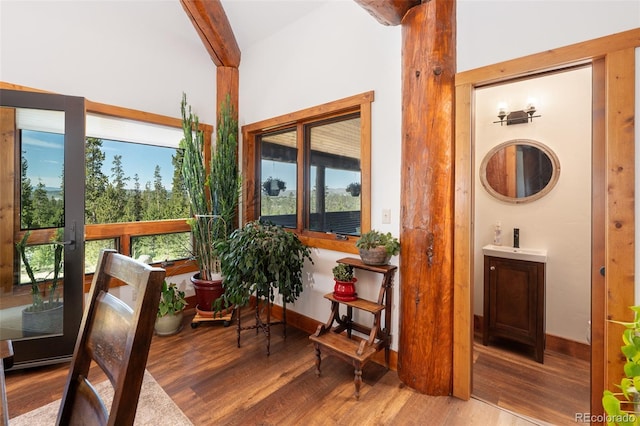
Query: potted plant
column 213, row 194
column 45, row 314
column 273, row 186
column 623, row 407
column 376, row 248
column 261, row 258
column 354, row 189
column 344, row 289
column 170, row 310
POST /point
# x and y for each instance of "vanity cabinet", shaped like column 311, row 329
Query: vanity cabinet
column 514, row 302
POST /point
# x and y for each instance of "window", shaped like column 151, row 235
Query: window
column 136, row 166
column 310, row 171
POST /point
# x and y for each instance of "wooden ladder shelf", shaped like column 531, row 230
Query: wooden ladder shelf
column 339, row 341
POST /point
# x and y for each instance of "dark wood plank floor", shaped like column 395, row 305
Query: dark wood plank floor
column 506, row 376
column 216, row 383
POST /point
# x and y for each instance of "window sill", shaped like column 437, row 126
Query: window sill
column 328, row 241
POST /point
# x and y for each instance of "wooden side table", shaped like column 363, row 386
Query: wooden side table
column 338, row 339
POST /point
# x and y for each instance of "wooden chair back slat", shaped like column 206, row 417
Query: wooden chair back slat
column 112, row 326
column 115, row 337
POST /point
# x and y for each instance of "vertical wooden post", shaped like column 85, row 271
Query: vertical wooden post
column 8, row 214
column 227, row 83
column 425, row 355
column 619, row 218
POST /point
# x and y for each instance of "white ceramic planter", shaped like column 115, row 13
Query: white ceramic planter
column 168, row 324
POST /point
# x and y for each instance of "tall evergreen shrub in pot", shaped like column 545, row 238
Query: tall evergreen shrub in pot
column 213, row 190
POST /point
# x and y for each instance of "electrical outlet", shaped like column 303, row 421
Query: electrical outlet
column 386, row 215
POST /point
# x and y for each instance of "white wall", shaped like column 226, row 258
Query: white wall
column 491, row 31
column 135, row 54
column 559, row 222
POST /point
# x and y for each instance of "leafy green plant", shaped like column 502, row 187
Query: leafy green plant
column 343, row 272
column 259, row 258
column 172, row 300
column 354, row 188
column 273, row 185
column 613, row 402
column 37, row 300
column 213, row 192
column 372, row 239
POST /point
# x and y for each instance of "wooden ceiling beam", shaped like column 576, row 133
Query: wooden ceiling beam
column 213, row 27
column 388, row 12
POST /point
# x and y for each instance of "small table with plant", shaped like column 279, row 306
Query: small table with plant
column 338, row 340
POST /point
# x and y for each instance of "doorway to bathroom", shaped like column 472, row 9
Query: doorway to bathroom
column 613, row 229
column 557, row 116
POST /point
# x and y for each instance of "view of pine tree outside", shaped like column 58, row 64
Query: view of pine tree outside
column 125, row 182
column 93, row 248
column 132, row 182
column 41, row 196
column 41, row 189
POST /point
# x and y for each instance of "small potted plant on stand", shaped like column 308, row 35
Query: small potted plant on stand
column 170, row 310
column 377, row 248
column 344, row 289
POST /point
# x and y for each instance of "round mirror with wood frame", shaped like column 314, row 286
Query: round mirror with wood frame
column 519, row 171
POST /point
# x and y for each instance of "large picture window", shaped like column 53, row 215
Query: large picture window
column 309, row 171
column 134, row 200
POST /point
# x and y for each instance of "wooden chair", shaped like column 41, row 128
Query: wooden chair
column 117, row 338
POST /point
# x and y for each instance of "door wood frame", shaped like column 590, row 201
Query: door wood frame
column 613, row 61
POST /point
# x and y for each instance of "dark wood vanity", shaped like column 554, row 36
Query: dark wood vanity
column 514, row 302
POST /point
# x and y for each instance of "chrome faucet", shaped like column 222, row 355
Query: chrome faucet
column 516, row 238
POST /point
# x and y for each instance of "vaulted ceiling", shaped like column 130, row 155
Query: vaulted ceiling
column 254, row 20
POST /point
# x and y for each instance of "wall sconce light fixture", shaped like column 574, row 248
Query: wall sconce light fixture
column 516, row 117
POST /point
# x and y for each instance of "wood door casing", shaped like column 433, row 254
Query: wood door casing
column 614, row 55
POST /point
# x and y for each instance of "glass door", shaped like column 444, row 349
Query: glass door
column 42, row 177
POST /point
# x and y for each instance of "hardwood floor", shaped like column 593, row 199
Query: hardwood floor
column 216, row 383
column 504, row 375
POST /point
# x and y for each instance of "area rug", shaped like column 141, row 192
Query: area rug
column 155, row 407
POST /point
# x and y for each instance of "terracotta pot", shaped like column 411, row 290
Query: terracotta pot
column 345, row 290
column 168, row 324
column 375, row 256
column 207, row 292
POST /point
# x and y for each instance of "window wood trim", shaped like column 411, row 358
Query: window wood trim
column 251, row 182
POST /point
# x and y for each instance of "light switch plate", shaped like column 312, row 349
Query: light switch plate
column 386, row 215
